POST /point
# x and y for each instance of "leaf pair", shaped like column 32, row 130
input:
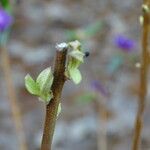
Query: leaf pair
column 41, row 87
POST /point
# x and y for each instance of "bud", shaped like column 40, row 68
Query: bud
column 145, row 8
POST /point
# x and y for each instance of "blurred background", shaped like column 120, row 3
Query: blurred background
column 97, row 114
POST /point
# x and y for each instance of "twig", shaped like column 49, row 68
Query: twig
column 16, row 113
column 143, row 78
column 52, row 107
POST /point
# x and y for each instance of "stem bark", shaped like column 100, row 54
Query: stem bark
column 52, row 107
column 143, row 79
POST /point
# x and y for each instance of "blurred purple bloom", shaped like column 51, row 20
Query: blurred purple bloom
column 5, row 20
column 97, row 86
column 125, row 43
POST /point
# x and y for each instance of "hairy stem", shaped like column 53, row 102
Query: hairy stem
column 143, row 79
column 16, row 112
column 52, row 107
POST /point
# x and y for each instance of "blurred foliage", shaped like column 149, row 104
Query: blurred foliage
column 4, row 36
column 84, row 33
column 86, row 98
column 5, row 4
column 115, row 62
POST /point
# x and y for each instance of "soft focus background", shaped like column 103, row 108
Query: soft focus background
column 97, row 113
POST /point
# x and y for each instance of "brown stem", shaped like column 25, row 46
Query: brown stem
column 52, row 107
column 143, row 79
column 16, row 112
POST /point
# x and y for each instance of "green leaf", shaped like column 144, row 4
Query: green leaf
column 46, row 97
column 45, row 80
column 75, row 75
column 77, row 55
column 31, row 85
column 59, row 109
column 73, row 63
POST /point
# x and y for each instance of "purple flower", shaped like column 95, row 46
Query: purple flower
column 6, row 20
column 124, row 43
column 97, row 86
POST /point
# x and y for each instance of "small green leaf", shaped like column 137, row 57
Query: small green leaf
column 75, row 75
column 73, row 63
column 45, row 80
column 77, row 55
column 59, row 109
column 46, row 97
column 31, row 85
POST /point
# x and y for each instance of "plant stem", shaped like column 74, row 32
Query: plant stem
column 16, row 112
column 143, row 79
column 52, row 107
